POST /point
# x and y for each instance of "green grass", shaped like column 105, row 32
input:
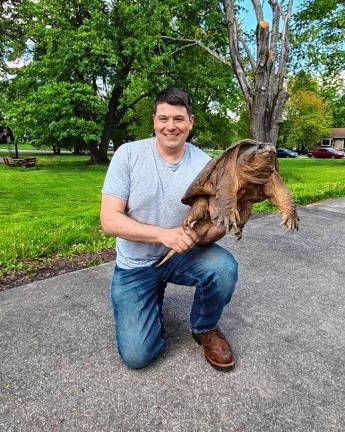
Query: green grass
column 53, row 209
column 50, row 209
column 310, row 180
column 7, row 149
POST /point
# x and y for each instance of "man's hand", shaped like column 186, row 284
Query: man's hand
column 178, row 239
column 214, row 233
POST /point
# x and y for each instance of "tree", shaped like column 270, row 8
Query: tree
column 9, row 32
column 111, row 48
column 60, row 114
column 308, row 120
column 333, row 91
column 319, row 36
column 216, row 98
column 261, row 79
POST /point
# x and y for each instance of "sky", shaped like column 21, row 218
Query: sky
column 249, row 18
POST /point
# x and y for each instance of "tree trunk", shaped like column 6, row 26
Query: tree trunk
column 112, row 117
column 95, row 156
column 56, row 149
column 262, row 86
column 265, row 120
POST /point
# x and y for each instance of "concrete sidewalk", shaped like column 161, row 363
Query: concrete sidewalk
column 60, row 370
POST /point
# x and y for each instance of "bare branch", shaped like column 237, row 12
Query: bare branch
column 258, row 10
column 275, row 6
column 236, row 59
column 201, row 45
column 262, row 33
column 276, row 10
column 285, row 47
column 249, row 54
column 184, row 47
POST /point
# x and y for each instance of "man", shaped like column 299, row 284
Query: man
column 141, row 205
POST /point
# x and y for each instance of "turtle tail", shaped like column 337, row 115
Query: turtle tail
column 166, row 258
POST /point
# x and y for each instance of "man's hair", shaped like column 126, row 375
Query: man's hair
column 174, row 96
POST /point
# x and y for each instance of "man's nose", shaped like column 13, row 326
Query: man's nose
column 171, row 124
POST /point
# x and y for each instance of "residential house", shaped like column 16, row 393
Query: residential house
column 336, row 139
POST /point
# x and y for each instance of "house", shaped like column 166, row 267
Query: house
column 336, row 139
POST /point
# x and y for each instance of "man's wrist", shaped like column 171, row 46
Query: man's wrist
column 157, row 234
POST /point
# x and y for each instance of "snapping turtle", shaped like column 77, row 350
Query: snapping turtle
column 245, row 173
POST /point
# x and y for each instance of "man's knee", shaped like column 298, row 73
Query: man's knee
column 222, row 263
column 223, row 270
column 137, row 355
column 135, row 360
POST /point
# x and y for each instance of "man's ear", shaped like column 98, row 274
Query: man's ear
column 192, row 120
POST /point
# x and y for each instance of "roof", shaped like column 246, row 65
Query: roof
column 338, row 133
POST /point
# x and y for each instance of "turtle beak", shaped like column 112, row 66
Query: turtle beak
column 268, row 149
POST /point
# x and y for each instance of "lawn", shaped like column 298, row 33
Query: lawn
column 53, row 209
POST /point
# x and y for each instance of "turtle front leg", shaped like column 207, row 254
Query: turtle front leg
column 226, row 214
column 280, row 196
column 245, row 210
column 198, row 212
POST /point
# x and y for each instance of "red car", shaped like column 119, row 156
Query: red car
column 326, row 152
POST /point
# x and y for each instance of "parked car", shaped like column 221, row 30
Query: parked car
column 326, row 152
column 283, row 152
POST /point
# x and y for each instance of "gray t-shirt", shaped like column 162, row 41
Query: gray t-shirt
column 153, row 189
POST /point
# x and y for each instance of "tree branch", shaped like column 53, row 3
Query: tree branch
column 262, row 33
column 236, row 59
column 258, row 10
column 142, row 96
column 275, row 6
column 182, row 48
column 249, row 54
column 201, row 45
column 285, row 47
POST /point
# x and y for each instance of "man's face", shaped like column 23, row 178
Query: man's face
column 172, row 125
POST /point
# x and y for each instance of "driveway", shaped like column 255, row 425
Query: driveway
column 60, row 370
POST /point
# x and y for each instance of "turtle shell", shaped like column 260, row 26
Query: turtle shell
column 197, row 186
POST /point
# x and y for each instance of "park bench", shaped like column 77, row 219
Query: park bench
column 20, row 162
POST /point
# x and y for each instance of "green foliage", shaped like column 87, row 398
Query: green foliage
column 319, row 35
column 303, row 81
column 334, row 92
column 308, row 113
column 66, row 114
column 116, row 48
column 308, row 120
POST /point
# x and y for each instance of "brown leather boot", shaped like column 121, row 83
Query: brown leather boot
column 216, row 348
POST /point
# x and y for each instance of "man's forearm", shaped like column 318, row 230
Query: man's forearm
column 123, row 226
column 213, row 234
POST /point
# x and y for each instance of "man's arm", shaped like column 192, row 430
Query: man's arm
column 115, row 222
column 215, row 233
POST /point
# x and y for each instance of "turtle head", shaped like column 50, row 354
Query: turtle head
column 258, row 159
column 266, row 152
column 260, row 151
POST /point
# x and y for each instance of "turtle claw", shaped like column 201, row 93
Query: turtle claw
column 290, row 221
column 227, row 220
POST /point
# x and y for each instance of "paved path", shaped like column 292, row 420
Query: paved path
column 60, row 370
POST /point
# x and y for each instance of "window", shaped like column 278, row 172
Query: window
column 326, row 142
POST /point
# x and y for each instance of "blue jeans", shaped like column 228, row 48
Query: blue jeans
column 137, row 299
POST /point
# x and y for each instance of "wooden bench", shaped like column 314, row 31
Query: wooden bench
column 20, row 162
